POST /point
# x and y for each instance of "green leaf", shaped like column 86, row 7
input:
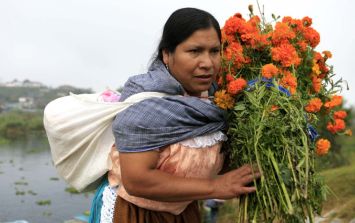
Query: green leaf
column 239, row 107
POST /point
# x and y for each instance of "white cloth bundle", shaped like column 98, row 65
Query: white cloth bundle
column 79, row 131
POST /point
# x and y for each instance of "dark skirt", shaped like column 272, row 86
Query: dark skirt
column 126, row 212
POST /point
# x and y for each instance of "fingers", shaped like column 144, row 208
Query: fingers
column 239, row 181
column 245, row 180
column 247, row 169
column 247, row 190
column 243, row 171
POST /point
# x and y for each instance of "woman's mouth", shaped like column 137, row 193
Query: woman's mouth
column 204, row 76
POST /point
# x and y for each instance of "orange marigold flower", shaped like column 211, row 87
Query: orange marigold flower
column 337, row 126
column 229, row 78
column 233, row 25
column 341, row 114
column 314, row 105
column 296, row 25
column 248, row 27
column 327, row 54
column 282, row 33
column 223, row 100
column 256, row 40
column 226, row 38
column 322, row 147
column 348, row 132
column 324, row 69
column 264, row 39
column 255, row 20
column 238, row 15
column 274, row 108
column 236, row 86
column 306, row 21
column 248, row 38
column 269, row 71
column 302, row 45
column 334, row 101
column 234, row 53
column 317, row 56
column 311, row 36
column 287, row 19
column 315, row 69
column 317, row 84
column 289, row 81
column 286, row 54
column 330, row 128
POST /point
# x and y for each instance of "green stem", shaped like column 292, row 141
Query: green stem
column 293, row 174
column 240, row 211
column 310, row 213
column 257, row 133
column 304, row 140
column 255, row 215
column 285, row 193
column 245, row 216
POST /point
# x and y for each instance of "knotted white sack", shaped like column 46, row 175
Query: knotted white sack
column 79, row 131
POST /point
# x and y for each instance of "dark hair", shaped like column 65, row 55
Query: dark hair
column 181, row 25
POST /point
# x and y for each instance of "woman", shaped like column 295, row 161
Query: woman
column 168, row 149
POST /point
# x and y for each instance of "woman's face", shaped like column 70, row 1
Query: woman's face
column 196, row 61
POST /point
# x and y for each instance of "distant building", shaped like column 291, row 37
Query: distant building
column 25, row 83
column 14, row 83
column 26, row 102
column 28, row 83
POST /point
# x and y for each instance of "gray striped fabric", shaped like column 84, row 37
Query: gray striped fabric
column 157, row 122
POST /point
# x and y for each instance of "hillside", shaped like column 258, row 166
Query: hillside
column 40, row 95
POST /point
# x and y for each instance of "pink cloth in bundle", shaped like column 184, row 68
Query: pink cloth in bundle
column 109, row 96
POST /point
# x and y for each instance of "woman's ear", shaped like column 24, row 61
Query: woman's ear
column 165, row 56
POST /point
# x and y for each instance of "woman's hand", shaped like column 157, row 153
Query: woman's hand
column 236, row 182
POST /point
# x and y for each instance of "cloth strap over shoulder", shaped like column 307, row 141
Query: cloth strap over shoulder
column 79, row 131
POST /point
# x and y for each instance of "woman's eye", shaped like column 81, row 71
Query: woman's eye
column 194, row 51
column 215, row 51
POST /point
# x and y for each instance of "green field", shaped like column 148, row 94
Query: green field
column 342, row 182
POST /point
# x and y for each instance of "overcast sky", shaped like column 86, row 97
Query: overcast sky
column 100, row 43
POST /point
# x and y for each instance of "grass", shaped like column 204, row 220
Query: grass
column 228, row 212
column 341, row 181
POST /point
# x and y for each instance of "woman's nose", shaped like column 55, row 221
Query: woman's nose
column 206, row 61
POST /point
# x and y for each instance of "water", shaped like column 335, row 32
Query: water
column 27, row 176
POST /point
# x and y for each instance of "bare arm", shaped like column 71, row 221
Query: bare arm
column 141, row 178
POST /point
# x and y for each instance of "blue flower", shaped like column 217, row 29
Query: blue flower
column 312, row 132
column 284, row 90
column 269, row 84
column 268, row 80
column 252, row 82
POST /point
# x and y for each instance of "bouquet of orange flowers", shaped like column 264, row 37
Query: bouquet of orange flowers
column 276, row 88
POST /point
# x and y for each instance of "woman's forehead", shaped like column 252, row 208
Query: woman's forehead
column 203, row 37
